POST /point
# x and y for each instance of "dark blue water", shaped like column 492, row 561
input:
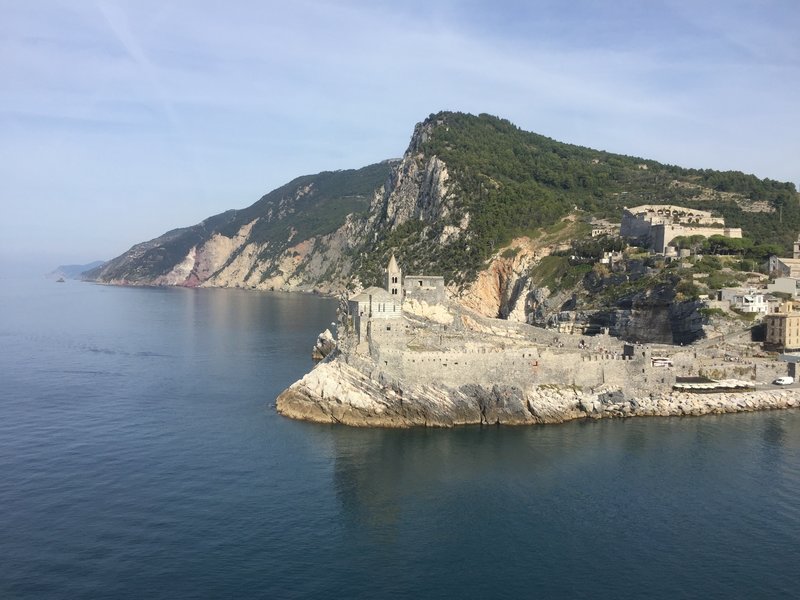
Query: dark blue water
column 141, row 457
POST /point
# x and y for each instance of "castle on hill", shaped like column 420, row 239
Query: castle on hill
column 658, row 224
column 377, row 311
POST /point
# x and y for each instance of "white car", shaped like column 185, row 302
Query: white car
column 784, row 381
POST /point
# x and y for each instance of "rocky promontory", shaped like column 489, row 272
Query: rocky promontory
column 469, row 369
column 335, row 392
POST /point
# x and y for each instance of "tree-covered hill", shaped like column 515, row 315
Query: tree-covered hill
column 466, row 186
column 513, row 182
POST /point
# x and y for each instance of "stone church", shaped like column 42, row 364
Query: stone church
column 377, row 311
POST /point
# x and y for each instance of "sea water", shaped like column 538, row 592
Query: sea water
column 141, row 457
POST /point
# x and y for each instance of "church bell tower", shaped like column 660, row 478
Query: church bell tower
column 394, row 279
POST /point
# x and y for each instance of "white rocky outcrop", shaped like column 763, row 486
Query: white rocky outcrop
column 336, row 392
column 324, row 345
column 436, row 313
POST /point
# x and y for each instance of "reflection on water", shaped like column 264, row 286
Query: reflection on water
column 693, row 495
column 142, row 458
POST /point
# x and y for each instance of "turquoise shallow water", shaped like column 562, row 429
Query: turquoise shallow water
column 141, row 457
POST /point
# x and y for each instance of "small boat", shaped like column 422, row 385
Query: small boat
column 60, row 280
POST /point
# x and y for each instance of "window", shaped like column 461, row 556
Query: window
column 420, row 283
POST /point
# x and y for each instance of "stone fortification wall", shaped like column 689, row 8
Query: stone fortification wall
column 632, row 226
column 386, row 333
column 480, row 365
column 747, row 369
column 584, row 370
column 662, row 235
column 522, row 367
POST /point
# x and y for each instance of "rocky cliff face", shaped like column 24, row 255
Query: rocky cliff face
column 504, row 288
column 299, row 237
column 335, row 392
column 465, row 186
column 653, row 316
column 416, row 190
column 290, row 240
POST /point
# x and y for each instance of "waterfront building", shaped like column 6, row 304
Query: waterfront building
column 783, row 328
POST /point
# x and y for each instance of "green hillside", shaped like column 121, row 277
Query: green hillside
column 309, row 205
column 507, row 181
column 513, row 182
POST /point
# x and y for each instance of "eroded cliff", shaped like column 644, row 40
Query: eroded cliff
column 474, row 199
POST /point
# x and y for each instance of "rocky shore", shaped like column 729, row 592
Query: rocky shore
column 337, row 392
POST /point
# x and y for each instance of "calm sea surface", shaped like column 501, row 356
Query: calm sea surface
column 141, row 457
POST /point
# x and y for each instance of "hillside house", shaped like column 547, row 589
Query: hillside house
column 745, row 300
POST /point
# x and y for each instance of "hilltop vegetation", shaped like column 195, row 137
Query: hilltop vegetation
column 500, row 182
column 513, row 182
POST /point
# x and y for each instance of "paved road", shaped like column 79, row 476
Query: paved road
column 771, row 386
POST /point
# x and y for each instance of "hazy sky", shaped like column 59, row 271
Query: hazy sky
column 120, row 120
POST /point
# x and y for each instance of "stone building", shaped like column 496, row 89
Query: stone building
column 373, row 304
column 377, row 311
column 393, row 278
column 658, row 224
column 784, row 267
column 785, row 285
column 428, row 288
column 783, row 328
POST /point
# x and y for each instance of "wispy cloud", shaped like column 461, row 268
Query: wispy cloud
column 181, row 109
column 117, row 23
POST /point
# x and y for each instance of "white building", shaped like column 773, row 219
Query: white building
column 746, row 300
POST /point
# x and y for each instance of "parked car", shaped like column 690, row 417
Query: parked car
column 784, row 381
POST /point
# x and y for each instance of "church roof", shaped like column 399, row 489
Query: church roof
column 393, row 264
column 377, row 293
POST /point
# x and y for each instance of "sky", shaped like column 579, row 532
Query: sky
column 121, row 120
